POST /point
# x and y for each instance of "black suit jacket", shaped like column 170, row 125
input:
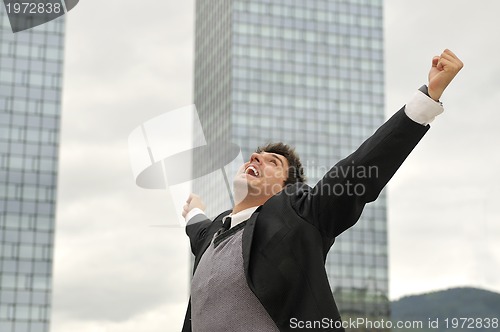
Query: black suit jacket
column 285, row 242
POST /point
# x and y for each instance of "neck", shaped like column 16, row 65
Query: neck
column 248, row 203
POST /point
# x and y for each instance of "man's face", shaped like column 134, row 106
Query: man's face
column 264, row 175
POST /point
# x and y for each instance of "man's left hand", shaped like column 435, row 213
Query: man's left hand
column 444, row 68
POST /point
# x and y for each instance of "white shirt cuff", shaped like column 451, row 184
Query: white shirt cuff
column 192, row 213
column 423, row 109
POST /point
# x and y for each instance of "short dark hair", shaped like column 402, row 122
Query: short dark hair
column 295, row 169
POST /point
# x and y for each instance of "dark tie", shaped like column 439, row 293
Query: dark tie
column 226, row 224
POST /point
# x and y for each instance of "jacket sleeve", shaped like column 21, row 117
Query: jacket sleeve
column 337, row 200
column 196, row 229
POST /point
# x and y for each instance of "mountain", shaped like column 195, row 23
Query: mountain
column 456, row 309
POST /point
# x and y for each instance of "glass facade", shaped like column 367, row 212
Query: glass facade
column 309, row 73
column 30, row 104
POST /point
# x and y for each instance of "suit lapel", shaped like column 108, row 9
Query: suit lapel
column 246, row 240
column 247, row 244
column 214, row 227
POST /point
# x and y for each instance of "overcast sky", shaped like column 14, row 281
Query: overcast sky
column 128, row 61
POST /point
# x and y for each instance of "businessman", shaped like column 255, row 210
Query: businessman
column 260, row 266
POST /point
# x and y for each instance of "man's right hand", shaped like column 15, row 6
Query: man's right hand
column 193, row 201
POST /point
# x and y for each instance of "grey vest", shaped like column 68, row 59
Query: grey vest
column 220, row 297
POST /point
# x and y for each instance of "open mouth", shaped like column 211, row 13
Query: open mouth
column 251, row 170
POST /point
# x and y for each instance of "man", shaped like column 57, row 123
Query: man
column 260, row 267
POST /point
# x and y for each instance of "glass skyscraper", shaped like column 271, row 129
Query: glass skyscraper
column 30, row 104
column 309, row 73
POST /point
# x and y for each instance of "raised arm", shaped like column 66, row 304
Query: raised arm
column 336, row 202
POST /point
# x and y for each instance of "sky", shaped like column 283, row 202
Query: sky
column 127, row 61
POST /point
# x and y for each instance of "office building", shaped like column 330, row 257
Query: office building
column 31, row 64
column 309, row 73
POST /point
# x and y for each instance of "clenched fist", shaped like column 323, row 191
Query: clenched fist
column 193, row 201
column 444, row 68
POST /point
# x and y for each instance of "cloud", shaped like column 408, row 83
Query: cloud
column 114, row 270
column 134, row 61
column 441, row 202
column 111, row 263
column 167, row 318
column 112, row 276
